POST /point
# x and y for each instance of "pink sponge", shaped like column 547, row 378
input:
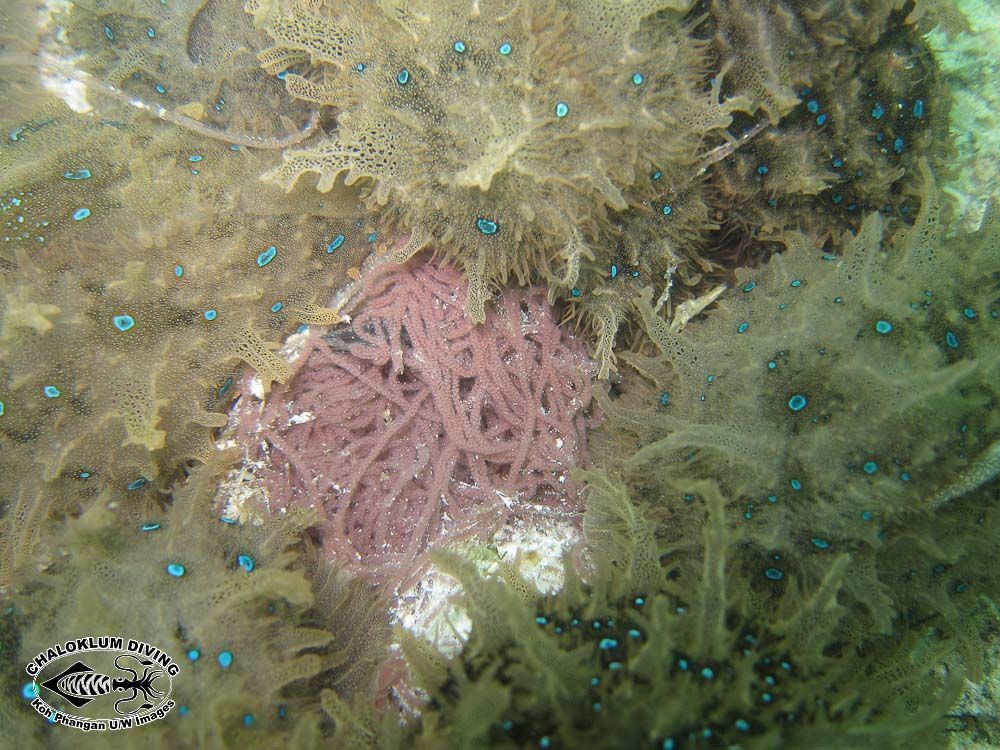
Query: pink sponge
column 416, row 426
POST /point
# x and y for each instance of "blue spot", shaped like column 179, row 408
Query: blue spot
column 227, row 520
column 109, row 33
column 813, row 106
column 918, row 108
column 541, row 620
column 459, row 47
column 210, row 315
column 969, row 313
column 633, row 633
column 742, row 327
column 183, row 710
column 664, row 398
column 614, row 270
column 281, row 76
column 360, row 67
column 961, row 588
column 898, row 144
column 656, row 175
column 195, row 158
column 838, row 163
column 750, row 286
column 878, row 110
column 668, row 744
column 80, row 214
column 762, row 169
column 29, row 691
column 821, row 543
column 866, row 515
column 637, row 79
column 795, row 484
column 772, row 365
column 175, row 569
column 905, row 476
column 766, row 697
column 267, row 256
column 487, row 226
column 136, row 484
column 597, row 706
column 667, row 209
column 224, row 389
column 796, row 283
column 337, row 242
column 403, row 77
column 544, row 743
column 152, row 526
column 821, row 120
column 508, row 725
column 504, row 49
column 373, row 236
column 884, row 327
column 51, row 391
column 774, row 574
column 797, row 402
column 247, row 719
column 194, row 654
column 276, row 307
column 3, row 408
column 607, row 644
column 234, row 147
column 870, row 467
column 178, row 271
column 562, row 109
column 225, row 659
column 575, row 292
column 682, row 664
column 837, row 198
column 82, row 474
column 707, row 673
column 595, row 681
column 160, row 89
column 951, row 339
column 615, row 666
column 150, row 32
column 79, row 174
column 742, row 726
column 123, row 322
column 245, row 562
column 638, row 601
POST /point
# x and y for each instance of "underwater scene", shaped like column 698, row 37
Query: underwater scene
column 538, row 374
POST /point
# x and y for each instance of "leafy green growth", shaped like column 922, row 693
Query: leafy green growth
column 847, row 388
column 591, row 144
column 258, row 623
column 706, row 651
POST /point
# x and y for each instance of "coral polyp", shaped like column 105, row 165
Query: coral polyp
column 503, row 133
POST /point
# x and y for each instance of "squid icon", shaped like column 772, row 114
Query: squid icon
column 79, row 685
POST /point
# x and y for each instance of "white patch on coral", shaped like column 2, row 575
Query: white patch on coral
column 429, row 608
